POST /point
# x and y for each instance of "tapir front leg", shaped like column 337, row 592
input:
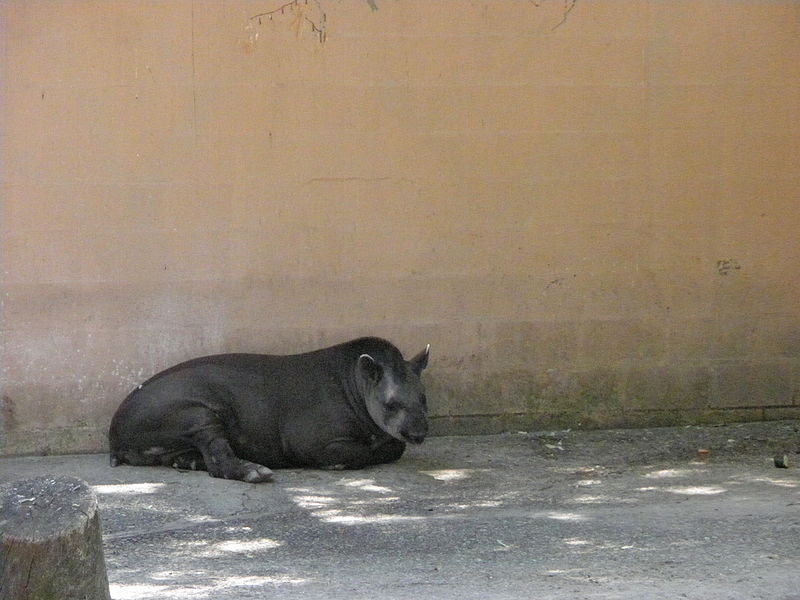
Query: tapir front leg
column 351, row 454
column 220, row 459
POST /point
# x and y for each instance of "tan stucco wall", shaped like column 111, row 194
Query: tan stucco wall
column 589, row 209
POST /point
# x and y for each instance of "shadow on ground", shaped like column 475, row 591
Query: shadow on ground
column 602, row 514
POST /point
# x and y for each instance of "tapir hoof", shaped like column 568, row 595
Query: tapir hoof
column 257, row 474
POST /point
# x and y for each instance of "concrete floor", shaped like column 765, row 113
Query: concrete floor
column 611, row 514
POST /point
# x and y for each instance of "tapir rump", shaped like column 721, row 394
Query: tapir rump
column 240, row 415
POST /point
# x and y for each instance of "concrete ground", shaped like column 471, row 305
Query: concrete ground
column 562, row 515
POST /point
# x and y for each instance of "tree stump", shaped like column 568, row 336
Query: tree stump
column 50, row 541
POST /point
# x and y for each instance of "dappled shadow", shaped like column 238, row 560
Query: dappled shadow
column 350, row 501
column 123, row 504
column 184, row 538
column 128, row 489
column 669, row 481
column 479, row 515
column 197, row 562
column 211, row 587
column 417, row 495
column 783, row 482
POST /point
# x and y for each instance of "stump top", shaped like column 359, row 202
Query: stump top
column 36, row 509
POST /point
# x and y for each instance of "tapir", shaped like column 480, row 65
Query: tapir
column 238, row 416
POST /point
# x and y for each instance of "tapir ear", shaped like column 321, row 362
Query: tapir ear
column 369, row 369
column 420, row 361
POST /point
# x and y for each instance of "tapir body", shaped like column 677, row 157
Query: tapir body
column 240, row 415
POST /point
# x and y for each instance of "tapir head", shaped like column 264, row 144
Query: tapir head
column 394, row 395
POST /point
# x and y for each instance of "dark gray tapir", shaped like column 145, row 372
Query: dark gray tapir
column 238, row 415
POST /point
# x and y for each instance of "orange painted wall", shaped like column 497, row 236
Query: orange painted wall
column 589, row 209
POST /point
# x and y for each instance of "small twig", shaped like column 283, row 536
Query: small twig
column 281, row 9
column 568, row 6
column 317, row 29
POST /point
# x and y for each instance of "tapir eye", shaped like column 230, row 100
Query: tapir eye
column 393, row 406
